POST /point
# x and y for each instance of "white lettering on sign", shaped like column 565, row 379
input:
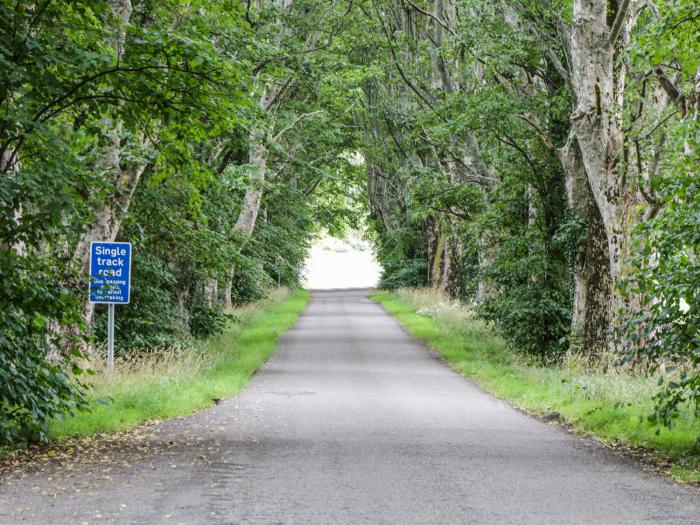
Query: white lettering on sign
column 110, row 269
column 112, row 252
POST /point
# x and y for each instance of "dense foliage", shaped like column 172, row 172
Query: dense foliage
column 34, row 388
column 664, row 333
column 539, row 159
column 464, row 196
column 219, row 137
column 177, row 126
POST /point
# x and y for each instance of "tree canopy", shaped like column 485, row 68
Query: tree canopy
column 536, row 158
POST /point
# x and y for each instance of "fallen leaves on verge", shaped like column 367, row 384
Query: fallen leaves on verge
column 651, row 460
column 101, row 454
column 100, row 450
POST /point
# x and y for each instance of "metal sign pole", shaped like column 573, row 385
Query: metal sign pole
column 280, row 262
column 110, row 338
column 110, row 283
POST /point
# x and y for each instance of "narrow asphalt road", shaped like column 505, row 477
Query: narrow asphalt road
column 352, row 421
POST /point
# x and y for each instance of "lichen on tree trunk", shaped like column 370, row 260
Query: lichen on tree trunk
column 598, row 188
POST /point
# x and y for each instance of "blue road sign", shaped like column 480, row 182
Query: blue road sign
column 110, row 272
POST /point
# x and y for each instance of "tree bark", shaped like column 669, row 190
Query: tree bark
column 592, row 160
column 592, row 292
column 259, row 139
column 211, row 290
column 443, row 265
column 109, row 216
column 257, row 158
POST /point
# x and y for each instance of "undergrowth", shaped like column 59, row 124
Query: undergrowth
column 176, row 381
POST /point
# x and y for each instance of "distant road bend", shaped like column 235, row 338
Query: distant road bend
column 352, row 421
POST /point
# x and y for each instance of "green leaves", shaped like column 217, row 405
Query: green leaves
column 671, row 39
column 665, row 332
column 444, row 131
column 35, row 356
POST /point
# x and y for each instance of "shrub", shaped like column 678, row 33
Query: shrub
column 664, row 332
column 37, row 314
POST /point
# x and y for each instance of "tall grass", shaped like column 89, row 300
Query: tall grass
column 607, row 402
column 169, row 382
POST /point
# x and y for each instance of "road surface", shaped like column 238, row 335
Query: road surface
column 352, row 421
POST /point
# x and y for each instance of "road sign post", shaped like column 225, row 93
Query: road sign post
column 280, row 262
column 110, row 283
column 110, row 338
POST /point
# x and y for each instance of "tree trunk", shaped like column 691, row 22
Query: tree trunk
column 592, row 156
column 228, row 290
column 257, row 150
column 443, row 267
column 109, row 217
column 211, row 290
column 590, row 320
column 485, row 288
column 435, row 242
column 449, row 281
column 257, row 157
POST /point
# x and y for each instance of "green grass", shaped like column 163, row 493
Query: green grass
column 177, row 382
column 611, row 406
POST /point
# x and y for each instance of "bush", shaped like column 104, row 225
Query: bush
column 153, row 318
column 664, row 333
column 401, row 252
column 205, row 320
column 36, row 313
column 250, row 281
column 531, row 304
column 403, row 273
column 529, row 300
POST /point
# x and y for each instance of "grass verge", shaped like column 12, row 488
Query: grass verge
column 611, row 406
column 177, row 382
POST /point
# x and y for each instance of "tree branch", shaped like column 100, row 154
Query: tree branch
column 431, row 15
column 677, row 98
column 295, row 123
column 657, row 126
column 554, row 59
column 545, row 139
column 396, row 61
column 619, row 21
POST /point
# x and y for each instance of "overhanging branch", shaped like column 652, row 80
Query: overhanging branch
column 619, row 21
column 295, row 123
column 545, row 139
